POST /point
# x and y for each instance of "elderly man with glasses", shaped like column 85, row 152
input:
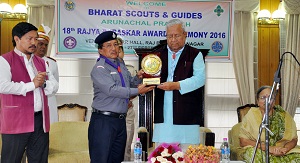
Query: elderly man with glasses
column 177, row 104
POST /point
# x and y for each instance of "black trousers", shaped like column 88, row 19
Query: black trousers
column 107, row 139
column 36, row 144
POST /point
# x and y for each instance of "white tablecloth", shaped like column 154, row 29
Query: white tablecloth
column 220, row 162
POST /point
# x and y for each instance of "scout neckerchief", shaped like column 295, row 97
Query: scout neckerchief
column 116, row 67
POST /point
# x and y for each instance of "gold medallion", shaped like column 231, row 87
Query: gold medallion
column 151, row 64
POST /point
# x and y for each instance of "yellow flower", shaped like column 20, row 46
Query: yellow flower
column 201, row 153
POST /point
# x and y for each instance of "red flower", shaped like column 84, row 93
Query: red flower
column 160, row 149
column 169, row 152
column 170, row 149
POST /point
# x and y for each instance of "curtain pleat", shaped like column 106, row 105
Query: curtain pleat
column 38, row 15
column 243, row 55
column 290, row 71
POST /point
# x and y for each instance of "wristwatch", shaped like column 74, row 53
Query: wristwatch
column 44, row 85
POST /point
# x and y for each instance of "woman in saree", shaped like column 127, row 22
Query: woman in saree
column 282, row 145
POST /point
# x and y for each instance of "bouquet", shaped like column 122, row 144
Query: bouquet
column 202, row 154
column 166, row 153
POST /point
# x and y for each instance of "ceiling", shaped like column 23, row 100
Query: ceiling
column 243, row 5
column 40, row 2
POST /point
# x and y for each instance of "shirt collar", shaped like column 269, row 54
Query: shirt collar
column 22, row 54
column 112, row 60
column 179, row 51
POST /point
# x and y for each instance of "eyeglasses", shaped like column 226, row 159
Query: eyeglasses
column 264, row 97
column 109, row 46
column 176, row 36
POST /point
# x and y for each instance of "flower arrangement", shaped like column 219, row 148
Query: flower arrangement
column 166, row 153
column 202, row 154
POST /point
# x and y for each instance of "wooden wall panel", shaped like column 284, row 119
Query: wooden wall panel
column 268, row 53
column 263, row 56
column 6, row 27
column 270, row 5
column 265, row 4
column 268, row 48
column 6, row 36
column 274, row 50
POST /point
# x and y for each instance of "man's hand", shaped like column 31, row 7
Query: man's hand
column 140, row 73
column 130, row 104
column 39, row 79
column 169, row 86
column 143, row 89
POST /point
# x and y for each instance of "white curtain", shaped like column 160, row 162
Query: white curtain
column 243, row 55
column 41, row 14
column 290, row 71
column 243, row 49
column 38, row 15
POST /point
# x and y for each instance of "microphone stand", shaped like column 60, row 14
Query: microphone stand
column 265, row 122
column 269, row 102
column 264, row 125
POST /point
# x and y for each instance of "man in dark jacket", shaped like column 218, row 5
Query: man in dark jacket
column 177, row 108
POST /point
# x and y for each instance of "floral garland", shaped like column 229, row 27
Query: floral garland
column 167, row 153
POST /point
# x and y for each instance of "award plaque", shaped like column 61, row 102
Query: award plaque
column 151, row 65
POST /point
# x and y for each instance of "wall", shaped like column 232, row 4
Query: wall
column 75, row 85
column 221, row 99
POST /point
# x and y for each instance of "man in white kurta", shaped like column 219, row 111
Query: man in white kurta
column 167, row 128
column 167, row 132
column 41, row 51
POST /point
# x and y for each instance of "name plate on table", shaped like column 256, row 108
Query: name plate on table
column 151, row 65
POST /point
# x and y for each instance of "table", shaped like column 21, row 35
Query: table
column 220, row 162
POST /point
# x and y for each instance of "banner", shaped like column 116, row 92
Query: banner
column 142, row 24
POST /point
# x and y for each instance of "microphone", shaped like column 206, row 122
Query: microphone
column 276, row 82
column 277, row 78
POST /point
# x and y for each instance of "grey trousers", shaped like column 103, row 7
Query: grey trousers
column 130, row 133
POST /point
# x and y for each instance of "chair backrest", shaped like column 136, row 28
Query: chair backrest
column 207, row 136
column 243, row 110
column 71, row 112
column 233, row 135
column 68, row 136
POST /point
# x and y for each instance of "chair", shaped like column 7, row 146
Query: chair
column 71, row 112
column 243, row 110
column 207, row 137
column 68, row 142
column 233, row 133
column 236, row 151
